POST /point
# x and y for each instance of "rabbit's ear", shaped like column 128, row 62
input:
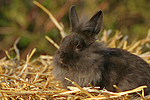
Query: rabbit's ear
column 74, row 21
column 95, row 23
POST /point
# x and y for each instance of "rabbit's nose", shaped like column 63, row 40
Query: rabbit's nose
column 61, row 58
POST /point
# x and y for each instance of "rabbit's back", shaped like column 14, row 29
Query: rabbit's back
column 124, row 69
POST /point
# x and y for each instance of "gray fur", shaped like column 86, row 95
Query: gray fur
column 83, row 60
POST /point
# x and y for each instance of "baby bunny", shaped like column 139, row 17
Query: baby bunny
column 83, row 60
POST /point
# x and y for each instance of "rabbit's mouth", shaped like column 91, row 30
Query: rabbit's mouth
column 61, row 62
column 65, row 63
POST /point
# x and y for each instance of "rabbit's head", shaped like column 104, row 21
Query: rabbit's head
column 79, row 43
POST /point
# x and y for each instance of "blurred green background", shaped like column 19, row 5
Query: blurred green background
column 21, row 18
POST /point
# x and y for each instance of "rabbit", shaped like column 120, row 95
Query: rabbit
column 83, row 60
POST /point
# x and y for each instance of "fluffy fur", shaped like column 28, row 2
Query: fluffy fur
column 85, row 61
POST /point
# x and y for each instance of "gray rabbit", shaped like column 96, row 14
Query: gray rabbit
column 83, row 60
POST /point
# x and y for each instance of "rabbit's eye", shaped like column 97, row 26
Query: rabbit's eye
column 79, row 46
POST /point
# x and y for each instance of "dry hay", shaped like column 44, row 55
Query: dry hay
column 31, row 80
